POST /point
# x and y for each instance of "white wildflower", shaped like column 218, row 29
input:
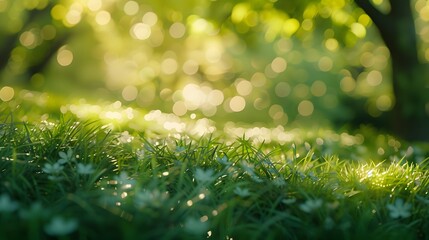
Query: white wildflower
column 55, row 178
column 204, row 176
column 180, row 149
column 311, row 205
column 66, row 157
column 59, row 226
column 224, row 160
column 7, row 204
column 153, row 198
column 248, row 167
column 279, row 182
column 36, row 211
column 289, row 201
column 242, row 192
column 54, row 168
column 85, row 169
column 399, row 209
column 256, row 178
column 329, row 223
column 141, row 154
column 196, row 226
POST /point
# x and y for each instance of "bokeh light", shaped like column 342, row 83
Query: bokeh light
column 243, row 87
column 260, row 64
column 6, row 93
column 94, row 5
column 131, row 8
column 150, row 18
column 237, row 104
column 305, row 108
column 177, row 30
column 64, row 57
column 278, row 65
column 282, row 89
column 129, row 93
column 141, row 31
column 103, row 17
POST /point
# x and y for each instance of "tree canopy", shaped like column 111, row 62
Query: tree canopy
column 274, row 62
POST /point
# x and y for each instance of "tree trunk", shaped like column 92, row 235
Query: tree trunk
column 410, row 117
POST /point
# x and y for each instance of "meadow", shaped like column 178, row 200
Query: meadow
column 67, row 178
column 127, row 119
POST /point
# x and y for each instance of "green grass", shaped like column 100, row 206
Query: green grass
column 82, row 180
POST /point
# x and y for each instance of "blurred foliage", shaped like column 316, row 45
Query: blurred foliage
column 249, row 61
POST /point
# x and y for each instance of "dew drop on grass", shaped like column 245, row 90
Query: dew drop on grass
column 204, row 218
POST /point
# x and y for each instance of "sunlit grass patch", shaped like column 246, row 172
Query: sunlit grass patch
column 86, row 180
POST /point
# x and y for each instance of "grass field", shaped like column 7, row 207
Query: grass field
column 71, row 179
